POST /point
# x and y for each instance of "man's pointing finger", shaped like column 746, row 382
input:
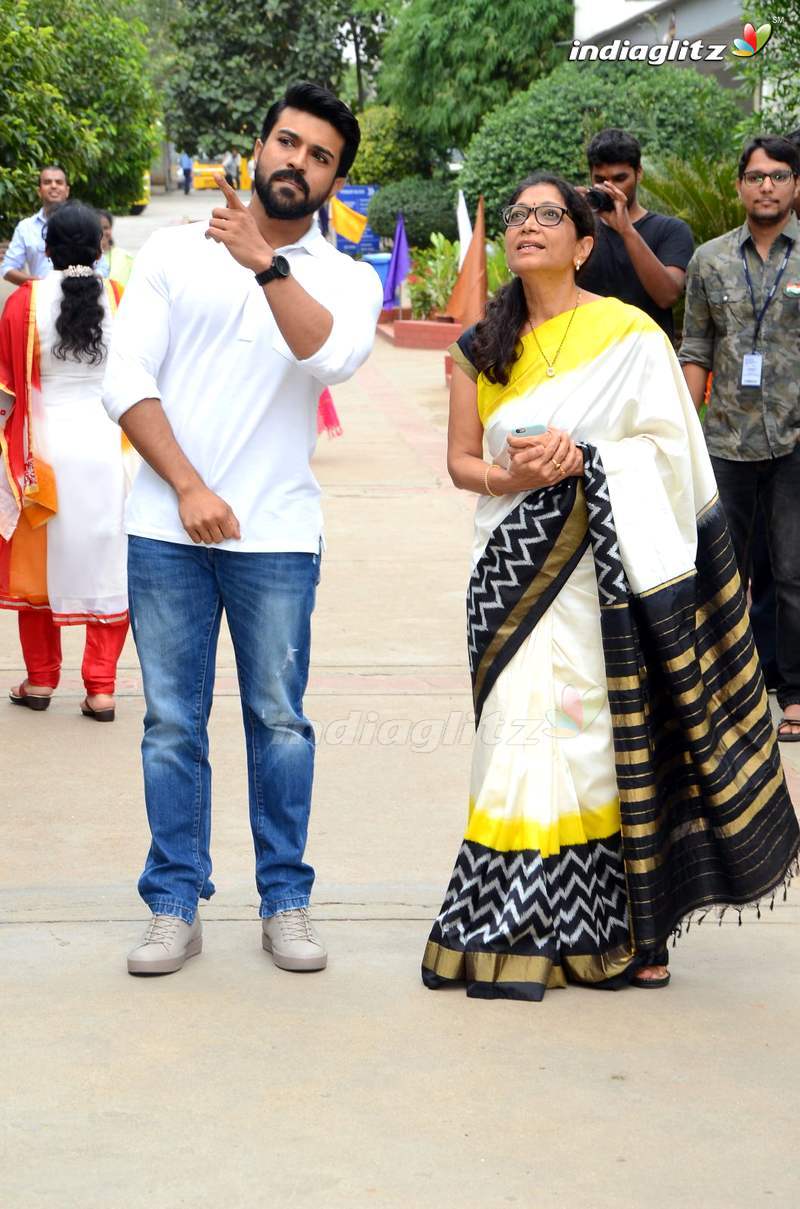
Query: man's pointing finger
column 232, row 198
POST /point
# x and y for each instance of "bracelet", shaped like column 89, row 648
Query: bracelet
column 489, row 491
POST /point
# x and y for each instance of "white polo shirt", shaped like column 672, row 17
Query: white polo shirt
column 195, row 331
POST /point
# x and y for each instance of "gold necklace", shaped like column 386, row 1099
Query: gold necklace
column 551, row 365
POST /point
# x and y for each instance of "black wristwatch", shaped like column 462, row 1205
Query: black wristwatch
column 279, row 268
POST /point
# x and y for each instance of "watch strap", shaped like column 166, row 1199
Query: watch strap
column 278, row 268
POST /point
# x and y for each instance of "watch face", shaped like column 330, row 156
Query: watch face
column 280, row 266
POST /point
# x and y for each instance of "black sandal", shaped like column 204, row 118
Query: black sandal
column 29, row 700
column 99, row 715
column 789, row 736
column 651, row 984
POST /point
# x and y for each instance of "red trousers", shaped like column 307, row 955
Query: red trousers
column 41, row 649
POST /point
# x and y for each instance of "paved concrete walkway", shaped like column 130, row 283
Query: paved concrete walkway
column 235, row 1084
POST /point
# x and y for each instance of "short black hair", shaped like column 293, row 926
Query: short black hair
column 777, row 148
column 53, row 168
column 614, row 146
column 312, row 98
column 793, row 137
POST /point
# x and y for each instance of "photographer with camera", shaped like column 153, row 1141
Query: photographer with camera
column 639, row 256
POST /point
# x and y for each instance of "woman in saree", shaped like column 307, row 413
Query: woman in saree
column 625, row 772
column 63, row 473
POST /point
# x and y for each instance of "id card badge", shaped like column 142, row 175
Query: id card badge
column 751, row 369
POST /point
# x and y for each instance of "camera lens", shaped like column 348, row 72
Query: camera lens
column 598, row 199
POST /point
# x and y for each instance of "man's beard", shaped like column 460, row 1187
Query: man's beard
column 285, row 203
column 770, row 220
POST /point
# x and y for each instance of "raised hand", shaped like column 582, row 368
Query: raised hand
column 619, row 219
column 234, row 226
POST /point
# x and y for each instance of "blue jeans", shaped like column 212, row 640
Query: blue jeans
column 177, row 595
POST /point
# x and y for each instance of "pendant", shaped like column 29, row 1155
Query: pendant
column 551, row 373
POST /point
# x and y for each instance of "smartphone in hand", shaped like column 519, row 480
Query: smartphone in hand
column 530, row 430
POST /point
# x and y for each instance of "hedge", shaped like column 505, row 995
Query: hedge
column 670, row 109
column 427, row 205
column 389, row 149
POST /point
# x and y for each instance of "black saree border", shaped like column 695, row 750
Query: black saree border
column 706, row 817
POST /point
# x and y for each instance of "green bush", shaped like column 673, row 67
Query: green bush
column 433, row 275
column 671, row 110
column 389, row 149
column 427, row 205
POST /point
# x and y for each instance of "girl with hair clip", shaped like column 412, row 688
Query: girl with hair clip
column 63, row 477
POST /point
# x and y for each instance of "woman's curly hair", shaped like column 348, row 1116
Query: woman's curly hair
column 72, row 237
column 496, row 343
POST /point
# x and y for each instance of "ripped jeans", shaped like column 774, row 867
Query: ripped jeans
column 177, row 596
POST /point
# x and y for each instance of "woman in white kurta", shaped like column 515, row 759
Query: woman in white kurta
column 63, row 560
column 625, row 771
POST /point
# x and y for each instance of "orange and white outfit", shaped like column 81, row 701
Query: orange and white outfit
column 62, row 492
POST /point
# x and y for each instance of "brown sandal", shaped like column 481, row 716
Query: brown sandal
column 29, row 700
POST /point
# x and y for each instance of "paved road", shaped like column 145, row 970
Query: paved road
column 235, row 1084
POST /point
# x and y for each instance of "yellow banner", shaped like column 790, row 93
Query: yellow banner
column 346, row 222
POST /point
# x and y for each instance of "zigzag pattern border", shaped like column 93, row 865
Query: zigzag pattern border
column 508, row 564
column 498, row 899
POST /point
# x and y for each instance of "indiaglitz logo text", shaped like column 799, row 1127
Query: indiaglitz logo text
column 679, row 50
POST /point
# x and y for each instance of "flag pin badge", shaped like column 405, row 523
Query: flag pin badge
column 793, row 289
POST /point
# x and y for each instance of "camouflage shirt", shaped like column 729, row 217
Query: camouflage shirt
column 746, row 423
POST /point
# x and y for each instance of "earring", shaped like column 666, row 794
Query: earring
column 578, row 264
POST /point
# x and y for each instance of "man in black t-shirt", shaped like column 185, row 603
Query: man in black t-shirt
column 639, row 256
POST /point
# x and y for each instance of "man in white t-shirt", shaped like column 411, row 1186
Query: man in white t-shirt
column 223, row 341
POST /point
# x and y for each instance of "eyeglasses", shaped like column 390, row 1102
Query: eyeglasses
column 778, row 178
column 546, row 215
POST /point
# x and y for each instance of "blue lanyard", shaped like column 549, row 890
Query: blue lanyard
column 759, row 315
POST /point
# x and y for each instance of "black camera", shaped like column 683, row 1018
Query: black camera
column 599, row 200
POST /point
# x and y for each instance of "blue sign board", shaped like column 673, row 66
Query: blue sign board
column 357, row 197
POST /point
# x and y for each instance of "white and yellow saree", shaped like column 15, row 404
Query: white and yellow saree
column 625, row 771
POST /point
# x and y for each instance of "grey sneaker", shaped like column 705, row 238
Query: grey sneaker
column 290, row 937
column 165, row 946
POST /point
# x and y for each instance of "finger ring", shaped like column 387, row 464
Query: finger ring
column 556, row 464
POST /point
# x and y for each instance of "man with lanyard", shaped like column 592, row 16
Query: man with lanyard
column 26, row 257
column 742, row 320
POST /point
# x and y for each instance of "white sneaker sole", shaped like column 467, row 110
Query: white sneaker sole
column 298, row 965
column 166, row 965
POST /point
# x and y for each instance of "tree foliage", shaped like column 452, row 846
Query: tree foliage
column 235, row 57
column 670, row 110
column 777, row 67
column 74, row 91
column 428, row 206
column 365, row 24
column 104, row 77
column 389, row 149
column 447, row 63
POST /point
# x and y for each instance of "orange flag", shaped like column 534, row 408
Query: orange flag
column 468, row 299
